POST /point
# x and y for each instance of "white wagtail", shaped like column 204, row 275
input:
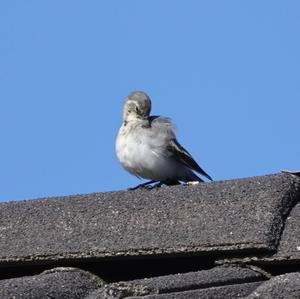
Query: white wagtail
column 146, row 146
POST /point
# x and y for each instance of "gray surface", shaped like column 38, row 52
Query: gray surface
column 69, row 284
column 121, row 290
column 202, row 279
column 229, row 215
column 223, row 292
column 180, row 283
column 279, row 287
column 289, row 247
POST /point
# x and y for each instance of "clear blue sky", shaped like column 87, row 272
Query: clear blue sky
column 226, row 72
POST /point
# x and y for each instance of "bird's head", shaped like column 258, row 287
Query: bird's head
column 137, row 105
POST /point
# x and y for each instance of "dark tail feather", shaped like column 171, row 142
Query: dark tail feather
column 192, row 177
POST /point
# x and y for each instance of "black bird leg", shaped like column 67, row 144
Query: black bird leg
column 143, row 185
column 157, row 185
column 166, row 182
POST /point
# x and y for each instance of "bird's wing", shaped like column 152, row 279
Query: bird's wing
column 161, row 123
column 184, row 157
column 163, row 126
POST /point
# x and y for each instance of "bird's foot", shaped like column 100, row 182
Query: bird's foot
column 156, row 184
column 146, row 185
column 167, row 183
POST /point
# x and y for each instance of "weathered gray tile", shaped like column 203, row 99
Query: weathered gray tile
column 201, row 279
column 229, row 215
column 58, row 284
column 279, row 287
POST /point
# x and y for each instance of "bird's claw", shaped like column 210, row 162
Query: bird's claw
column 147, row 186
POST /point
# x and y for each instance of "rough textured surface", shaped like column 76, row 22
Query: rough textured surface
column 289, row 246
column 223, row 292
column 204, row 223
column 229, row 215
column 75, row 283
column 279, row 287
column 202, row 279
column 69, row 284
column 121, row 290
column 189, row 285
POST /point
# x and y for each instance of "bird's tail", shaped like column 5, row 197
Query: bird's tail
column 192, row 177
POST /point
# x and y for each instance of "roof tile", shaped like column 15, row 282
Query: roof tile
column 229, row 215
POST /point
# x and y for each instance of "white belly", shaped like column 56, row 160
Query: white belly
column 142, row 158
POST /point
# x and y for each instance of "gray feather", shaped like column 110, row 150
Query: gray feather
column 182, row 155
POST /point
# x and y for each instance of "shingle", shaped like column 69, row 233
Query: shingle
column 279, row 287
column 288, row 250
column 121, row 290
column 218, row 282
column 201, row 279
column 222, row 292
column 228, row 215
column 61, row 284
column 289, row 246
column 179, row 283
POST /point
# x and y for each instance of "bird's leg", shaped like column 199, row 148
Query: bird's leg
column 157, row 185
column 167, row 183
column 143, row 185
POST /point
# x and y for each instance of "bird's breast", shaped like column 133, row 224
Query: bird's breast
column 138, row 154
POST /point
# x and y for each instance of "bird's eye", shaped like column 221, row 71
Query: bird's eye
column 136, row 109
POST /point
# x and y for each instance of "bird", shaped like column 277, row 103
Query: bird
column 147, row 147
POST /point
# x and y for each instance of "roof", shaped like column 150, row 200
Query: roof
column 227, row 239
